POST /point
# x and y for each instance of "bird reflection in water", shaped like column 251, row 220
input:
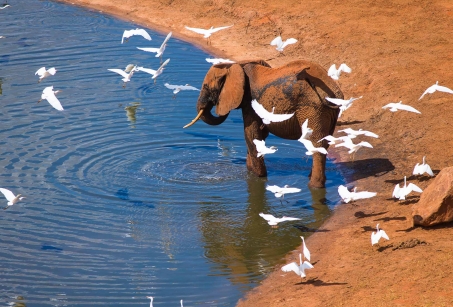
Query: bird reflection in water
column 131, row 112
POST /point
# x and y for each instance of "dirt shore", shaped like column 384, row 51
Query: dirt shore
column 396, row 49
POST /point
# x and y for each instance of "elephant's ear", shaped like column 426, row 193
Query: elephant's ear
column 232, row 91
column 318, row 77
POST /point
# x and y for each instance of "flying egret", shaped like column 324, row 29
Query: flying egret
column 333, row 140
column 129, row 33
column 280, row 45
column 10, row 197
column 43, row 73
column 376, row 236
column 126, row 75
column 353, row 148
column 177, row 88
column 158, row 51
column 154, row 73
column 215, row 61
column 207, row 32
column 334, row 73
column 49, row 94
column 311, row 149
column 299, row 269
column 420, row 169
column 306, row 132
column 267, row 116
column 436, row 87
column 395, row 106
column 402, row 192
column 354, row 133
column 342, row 103
column 281, row 191
column 151, row 303
column 4, row 6
column 348, row 196
column 305, row 250
column 262, row 149
column 273, row 221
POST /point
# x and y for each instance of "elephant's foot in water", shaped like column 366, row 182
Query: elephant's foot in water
column 316, row 182
column 256, row 165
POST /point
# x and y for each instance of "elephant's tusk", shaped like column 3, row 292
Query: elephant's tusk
column 194, row 120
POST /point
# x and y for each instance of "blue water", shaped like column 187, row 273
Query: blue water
column 122, row 203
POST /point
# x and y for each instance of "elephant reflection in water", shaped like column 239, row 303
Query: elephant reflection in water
column 247, row 247
column 300, row 87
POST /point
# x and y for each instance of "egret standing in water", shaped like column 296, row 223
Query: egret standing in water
column 207, row 32
column 129, row 33
column 49, row 94
column 420, row 169
column 10, row 197
column 43, row 73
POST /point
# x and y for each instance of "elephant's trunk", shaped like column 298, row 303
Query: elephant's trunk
column 206, row 115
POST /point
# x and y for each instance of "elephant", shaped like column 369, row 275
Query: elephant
column 299, row 87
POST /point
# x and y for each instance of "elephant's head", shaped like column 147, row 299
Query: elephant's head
column 225, row 86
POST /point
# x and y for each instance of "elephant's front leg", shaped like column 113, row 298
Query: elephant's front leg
column 253, row 130
column 318, row 174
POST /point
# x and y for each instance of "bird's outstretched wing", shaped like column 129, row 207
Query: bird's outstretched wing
column 332, row 72
column 287, row 218
column 260, row 110
column 365, row 144
column 291, row 267
column 396, row 191
column 428, row 91
column 289, row 41
column 428, row 170
column 155, row 50
column 337, row 101
column 197, row 30
column 119, row 71
column 164, row 64
column 364, row 194
column 412, row 187
column 219, row 28
column 167, row 38
column 41, row 71
column 8, row 194
column 311, row 148
column 267, row 217
column 273, row 188
column 291, row 190
column 188, row 87
column 129, row 33
column 277, row 41
column 218, row 61
column 147, row 70
column 384, row 234
column 345, row 68
column 405, row 107
column 344, row 193
column 52, row 99
column 171, row 86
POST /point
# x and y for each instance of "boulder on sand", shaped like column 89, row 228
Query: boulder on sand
column 436, row 202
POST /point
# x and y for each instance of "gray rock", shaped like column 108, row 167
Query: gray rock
column 436, row 201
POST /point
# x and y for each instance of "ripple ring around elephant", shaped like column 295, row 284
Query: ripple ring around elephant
column 298, row 87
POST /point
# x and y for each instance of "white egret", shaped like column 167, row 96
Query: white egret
column 154, row 73
column 311, row 149
column 262, row 149
column 299, row 269
column 151, row 303
column 215, row 61
column 306, row 132
column 49, row 94
column 4, row 6
column 420, row 169
column 126, row 75
column 436, row 87
column 129, row 33
column 354, row 133
column 402, row 192
column 10, row 197
column 376, row 236
column 281, row 191
column 305, row 250
column 395, row 106
column 333, row 140
column 207, row 32
column 177, row 88
column 267, row 116
column 334, row 73
column 158, row 51
column 280, row 45
column 348, row 196
column 353, row 148
column 342, row 103
column 273, row 221
column 43, row 73
column 181, row 303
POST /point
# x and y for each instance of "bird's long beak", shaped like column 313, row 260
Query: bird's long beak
column 195, row 119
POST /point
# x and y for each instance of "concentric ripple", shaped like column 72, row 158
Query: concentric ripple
column 121, row 202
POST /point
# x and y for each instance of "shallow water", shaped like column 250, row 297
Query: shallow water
column 123, row 203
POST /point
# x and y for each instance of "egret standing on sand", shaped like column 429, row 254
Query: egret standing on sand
column 158, row 51
column 376, row 236
column 207, row 32
column 395, row 106
column 43, row 73
column 267, row 116
column 262, row 149
column 305, row 250
column 282, row 44
column 49, row 94
column 402, row 192
column 129, row 33
column 298, row 269
column 334, row 73
column 348, row 196
column 10, row 197
column 420, row 169
column 436, row 87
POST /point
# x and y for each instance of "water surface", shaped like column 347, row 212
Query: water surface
column 123, row 203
